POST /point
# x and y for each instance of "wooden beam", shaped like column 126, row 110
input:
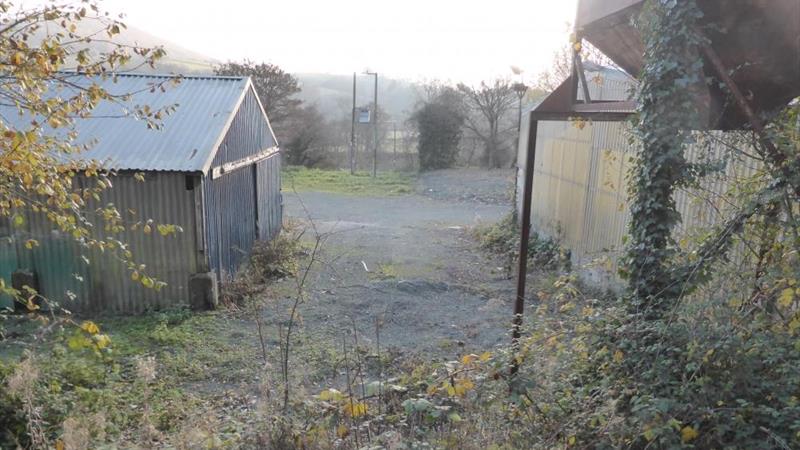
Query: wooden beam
column 581, row 76
column 219, row 171
column 774, row 156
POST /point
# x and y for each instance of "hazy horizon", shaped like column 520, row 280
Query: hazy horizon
column 446, row 40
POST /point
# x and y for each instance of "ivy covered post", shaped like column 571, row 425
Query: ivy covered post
column 672, row 67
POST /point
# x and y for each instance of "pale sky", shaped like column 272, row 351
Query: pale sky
column 458, row 40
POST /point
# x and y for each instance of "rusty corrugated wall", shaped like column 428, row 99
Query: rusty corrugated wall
column 90, row 281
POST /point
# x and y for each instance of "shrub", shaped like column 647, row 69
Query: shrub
column 440, row 128
column 268, row 261
column 502, row 239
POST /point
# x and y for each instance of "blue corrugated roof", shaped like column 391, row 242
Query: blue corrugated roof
column 188, row 138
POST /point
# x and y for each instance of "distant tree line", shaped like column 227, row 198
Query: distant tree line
column 451, row 124
column 300, row 128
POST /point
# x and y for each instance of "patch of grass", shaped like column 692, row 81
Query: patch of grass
column 186, row 348
column 340, row 181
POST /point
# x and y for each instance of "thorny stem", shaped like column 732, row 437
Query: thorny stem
column 349, row 389
column 259, row 325
column 380, row 364
column 298, row 299
column 360, row 368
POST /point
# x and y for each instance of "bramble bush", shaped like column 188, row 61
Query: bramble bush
column 502, row 238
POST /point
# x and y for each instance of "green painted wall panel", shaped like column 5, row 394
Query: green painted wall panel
column 8, row 264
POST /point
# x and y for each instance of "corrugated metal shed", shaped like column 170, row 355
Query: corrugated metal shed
column 607, row 84
column 188, row 138
column 237, row 203
column 213, row 169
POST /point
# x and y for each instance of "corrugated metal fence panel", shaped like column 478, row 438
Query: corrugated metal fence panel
column 607, row 208
column 608, row 85
column 230, row 199
column 562, row 162
column 270, row 209
column 100, row 282
column 580, row 190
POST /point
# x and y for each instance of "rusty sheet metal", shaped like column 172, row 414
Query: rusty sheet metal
column 89, row 281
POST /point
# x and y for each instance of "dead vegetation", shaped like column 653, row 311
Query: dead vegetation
column 502, row 239
column 268, row 262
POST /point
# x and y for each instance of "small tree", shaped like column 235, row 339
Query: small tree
column 439, row 122
column 308, row 135
column 489, row 104
column 51, row 78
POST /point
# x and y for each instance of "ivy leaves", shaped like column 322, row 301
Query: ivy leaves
column 663, row 123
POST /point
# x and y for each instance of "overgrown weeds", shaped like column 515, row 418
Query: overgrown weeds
column 502, row 238
column 269, row 261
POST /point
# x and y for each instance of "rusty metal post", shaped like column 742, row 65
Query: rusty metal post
column 525, row 233
column 582, row 77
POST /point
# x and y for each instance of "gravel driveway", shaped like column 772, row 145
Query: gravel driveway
column 409, row 263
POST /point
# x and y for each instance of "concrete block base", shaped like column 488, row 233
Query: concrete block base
column 203, row 293
column 20, row 280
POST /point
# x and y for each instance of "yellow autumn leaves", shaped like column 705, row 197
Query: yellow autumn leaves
column 348, row 405
column 90, row 327
column 787, row 300
column 787, row 297
column 355, row 409
column 88, row 336
column 457, row 388
column 689, row 433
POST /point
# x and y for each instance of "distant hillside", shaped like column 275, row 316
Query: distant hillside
column 331, row 93
column 177, row 60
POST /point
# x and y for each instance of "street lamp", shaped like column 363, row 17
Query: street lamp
column 353, row 131
column 374, row 125
column 521, row 89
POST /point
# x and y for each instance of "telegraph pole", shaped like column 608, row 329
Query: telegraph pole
column 375, row 126
column 394, row 145
column 353, row 131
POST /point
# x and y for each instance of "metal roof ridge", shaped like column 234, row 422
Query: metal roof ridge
column 162, row 75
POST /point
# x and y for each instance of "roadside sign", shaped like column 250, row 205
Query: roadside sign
column 363, row 115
